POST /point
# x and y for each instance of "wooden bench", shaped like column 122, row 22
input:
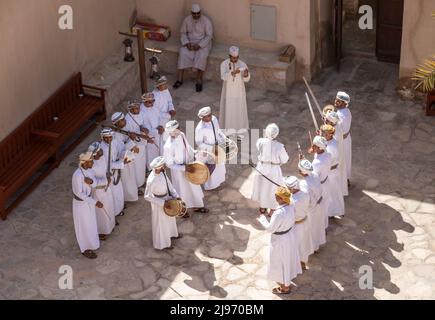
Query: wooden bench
column 42, row 141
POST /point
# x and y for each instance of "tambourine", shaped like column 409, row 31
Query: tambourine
column 175, row 208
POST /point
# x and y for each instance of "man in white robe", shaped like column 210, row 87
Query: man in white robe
column 284, row 262
column 196, row 43
column 321, row 169
column 332, row 118
column 271, row 156
column 85, row 220
column 163, row 100
column 208, row 136
column 233, row 107
column 336, row 205
column 128, row 173
column 178, row 153
column 159, row 189
column 300, row 200
column 103, row 193
column 112, row 150
column 342, row 104
column 136, row 124
column 316, row 209
column 153, row 122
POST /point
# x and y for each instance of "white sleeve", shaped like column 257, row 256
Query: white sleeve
column 184, row 33
column 271, row 226
column 225, row 71
column 99, row 182
column 170, row 102
column 170, row 161
column 149, row 196
column 248, row 78
column 208, row 34
column 77, row 187
column 284, row 157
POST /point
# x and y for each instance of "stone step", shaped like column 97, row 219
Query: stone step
column 267, row 72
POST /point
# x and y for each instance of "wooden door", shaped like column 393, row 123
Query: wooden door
column 389, row 30
column 338, row 32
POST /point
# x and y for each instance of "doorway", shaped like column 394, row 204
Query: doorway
column 383, row 41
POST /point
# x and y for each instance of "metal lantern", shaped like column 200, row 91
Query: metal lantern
column 154, row 60
column 128, row 50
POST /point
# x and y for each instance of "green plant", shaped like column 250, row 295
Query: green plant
column 425, row 75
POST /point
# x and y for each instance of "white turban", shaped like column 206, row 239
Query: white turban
column 148, row 97
column 343, row 96
column 107, row 132
column 133, row 104
column 94, row 148
column 157, row 163
column 162, row 80
column 196, row 8
column 272, row 131
column 204, row 112
column 332, row 117
column 305, row 166
column 292, row 182
column 84, row 157
column 234, row 51
column 171, row 126
column 117, row 116
column 320, row 142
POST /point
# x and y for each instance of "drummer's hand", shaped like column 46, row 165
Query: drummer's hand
column 132, row 136
column 167, row 205
column 189, row 169
column 135, row 150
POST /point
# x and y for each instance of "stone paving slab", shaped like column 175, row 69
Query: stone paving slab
column 389, row 223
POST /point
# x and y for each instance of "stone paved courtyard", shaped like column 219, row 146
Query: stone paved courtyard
column 389, row 222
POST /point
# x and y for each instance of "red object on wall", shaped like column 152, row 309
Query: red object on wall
column 153, row 31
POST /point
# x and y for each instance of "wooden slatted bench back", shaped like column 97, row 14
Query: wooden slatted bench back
column 32, row 144
column 14, row 144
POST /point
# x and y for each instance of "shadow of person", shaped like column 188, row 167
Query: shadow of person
column 208, row 242
column 358, row 254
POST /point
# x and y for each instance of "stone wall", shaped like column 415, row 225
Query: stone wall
column 418, row 35
column 37, row 57
column 232, row 23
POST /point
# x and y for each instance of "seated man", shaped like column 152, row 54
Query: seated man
column 196, row 41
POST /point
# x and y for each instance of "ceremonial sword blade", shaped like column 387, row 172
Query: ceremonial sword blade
column 313, row 96
column 312, row 112
column 264, row 176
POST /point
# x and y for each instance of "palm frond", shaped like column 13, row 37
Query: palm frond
column 424, row 75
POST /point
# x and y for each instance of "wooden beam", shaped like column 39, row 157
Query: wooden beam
column 142, row 65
